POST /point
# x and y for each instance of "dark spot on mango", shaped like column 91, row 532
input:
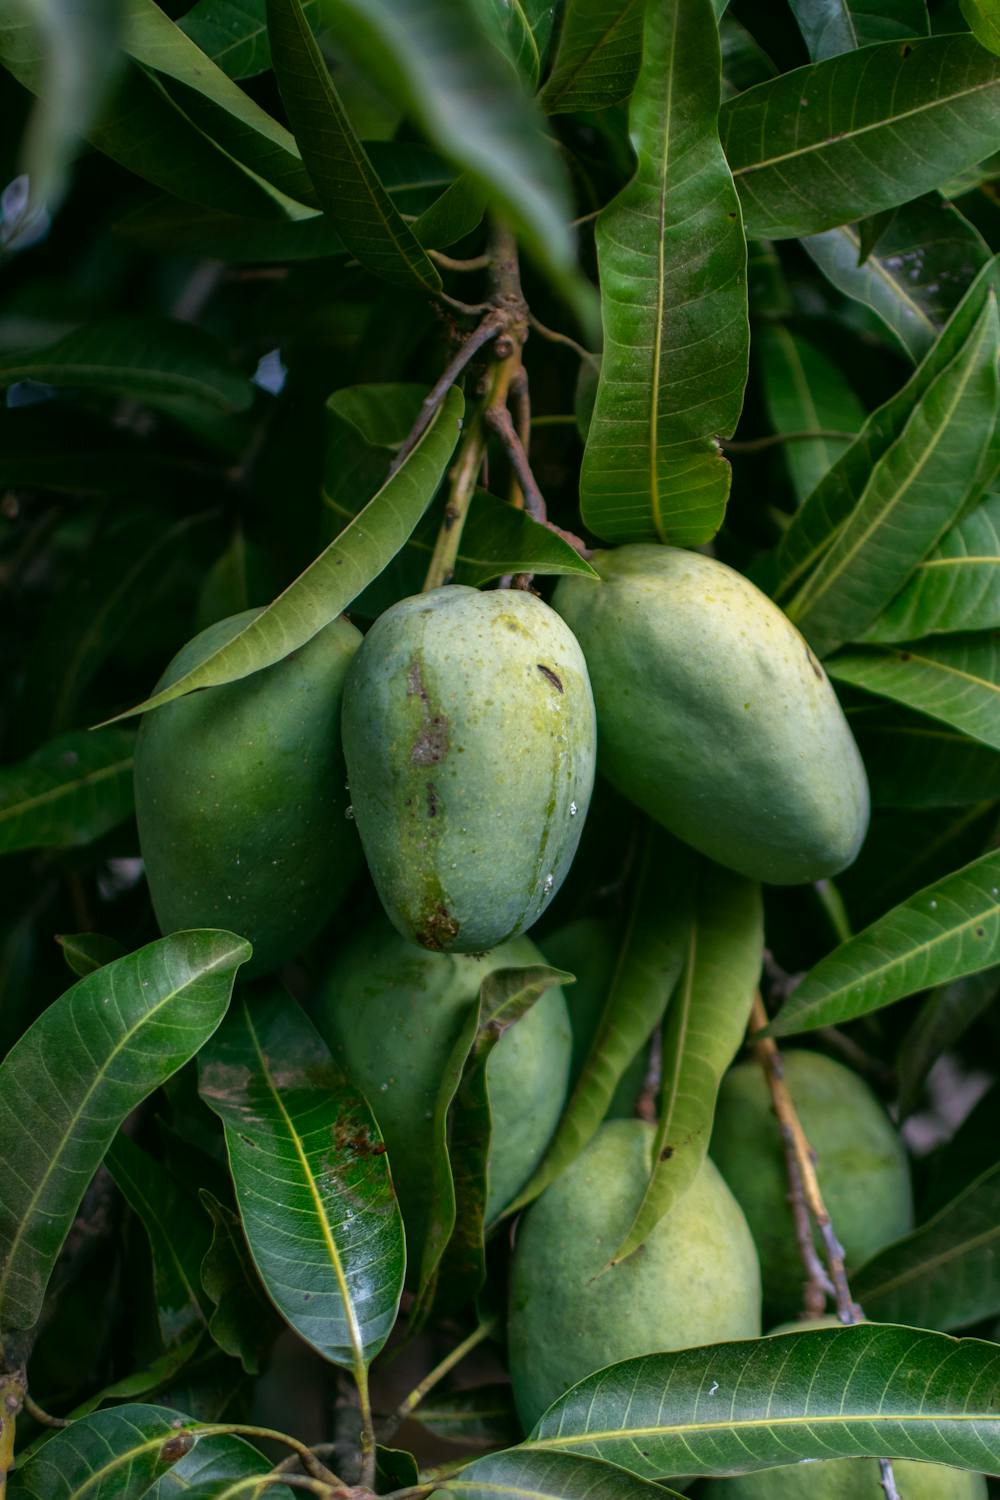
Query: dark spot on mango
column 550, row 676
column 666, row 1153
column 817, row 669
column 439, row 929
column 431, row 744
column 432, row 800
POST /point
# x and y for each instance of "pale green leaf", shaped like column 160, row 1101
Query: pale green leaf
column 956, row 588
column 984, row 18
column 672, row 262
column 954, row 678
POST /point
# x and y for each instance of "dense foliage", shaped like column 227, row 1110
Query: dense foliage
column 388, row 383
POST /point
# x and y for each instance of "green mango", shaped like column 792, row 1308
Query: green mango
column 391, row 1014
column 240, row 796
column 589, row 949
column 714, row 715
column 861, row 1163
column 695, row 1280
column 470, row 737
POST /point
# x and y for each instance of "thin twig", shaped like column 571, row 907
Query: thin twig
column 439, row 1371
column 449, row 263
column 11, row 1401
column 462, row 487
column 498, row 419
column 307, row 1457
column 757, row 445
column 563, row 338
column 488, row 329
column 33, row 1409
column 521, row 400
column 801, row 1154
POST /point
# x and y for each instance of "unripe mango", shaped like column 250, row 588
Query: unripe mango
column 860, row 1160
column 391, row 1013
column 469, row 734
column 695, row 1280
column 714, row 715
column 240, row 796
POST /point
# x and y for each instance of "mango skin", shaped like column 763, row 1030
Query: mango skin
column 861, row 1162
column 391, row 1013
column 240, row 796
column 695, row 1281
column 470, row 739
column 715, row 717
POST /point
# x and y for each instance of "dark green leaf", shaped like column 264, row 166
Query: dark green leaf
column 805, row 392
column 817, row 523
column 349, row 190
column 212, row 1467
column 832, row 143
column 950, row 929
column 178, row 1237
column 154, row 1378
column 913, row 762
column 744, row 62
column 832, row 26
column 477, row 1415
column 956, row 680
column 942, row 1020
column 598, row 57
column 69, row 792
column 672, row 261
column 523, row 1475
column 652, row 954
column 704, row 1029
column 86, row 951
column 395, row 1469
column 522, row 29
column 111, row 1455
column 917, row 490
column 84, row 1065
column 311, row 1177
column 197, row 229
column 917, row 271
column 435, row 58
column 946, row 1274
column 457, row 212
column 956, row 588
column 340, row 572
column 243, row 1323
column 233, row 33
column 760, row 1403
column 984, row 18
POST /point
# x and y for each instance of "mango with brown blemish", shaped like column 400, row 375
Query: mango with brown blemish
column 470, row 740
column 715, row 717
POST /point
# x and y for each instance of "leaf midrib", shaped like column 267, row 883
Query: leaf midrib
column 661, row 292
column 64, row 789
column 802, row 1419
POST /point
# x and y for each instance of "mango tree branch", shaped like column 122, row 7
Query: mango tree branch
column 804, row 1183
column 11, row 1401
column 449, row 1362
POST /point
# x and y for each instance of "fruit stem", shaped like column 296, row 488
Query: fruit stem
column 462, row 487
column 805, row 1194
column 449, row 1362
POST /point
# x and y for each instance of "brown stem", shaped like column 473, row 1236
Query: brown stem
column 488, row 329
column 307, row 1457
column 499, row 420
column 804, row 1182
column 758, row 445
column 554, row 337
column 521, row 400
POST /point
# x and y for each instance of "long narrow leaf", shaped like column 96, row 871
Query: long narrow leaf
column 312, row 1180
column 943, row 1019
column 956, row 679
column 598, row 57
column 703, row 1032
column 868, row 1390
column 950, row 929
column 805, row 392
column 832, row 143
column 956, row 588
column 520, row 1474
column 70, row 1081
column 913, row 762
column 69, row 792
column 672, row 261
column 340, row 573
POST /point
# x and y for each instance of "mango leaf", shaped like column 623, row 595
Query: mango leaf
column 652, row 954
column 805, row 392
column 522, row 29
column 942, row 1020
column 457, row 212
column 956, row 679
column 522, row 1474
column 474, row 1415
column 672, row 261
column 870, row 1390
column 233, row 33
column 945, row 1274
column 86, row 951
column 157, row 1376
column 311, row 1179
column 148, row 359
column 346, row 184
column 243, row 1323
column 705, row 1025
column 597, row 57
column 437, row 60
column 395, row 1469
column 453, row 1267
column 956, row 588
column 917, row 489
column 820, row 518
column 829, row 27
column 110, row 1455
column 75, row 1074
column 178, row 1237
column 916, row 273
column 949, row 929
column 69, row 792
column 227, row 114
column 831, row 143
column 76, row 46
column 340, row 572
column 913, row 762
column 983, row 16
column 212, row 1467
column 195, row 229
